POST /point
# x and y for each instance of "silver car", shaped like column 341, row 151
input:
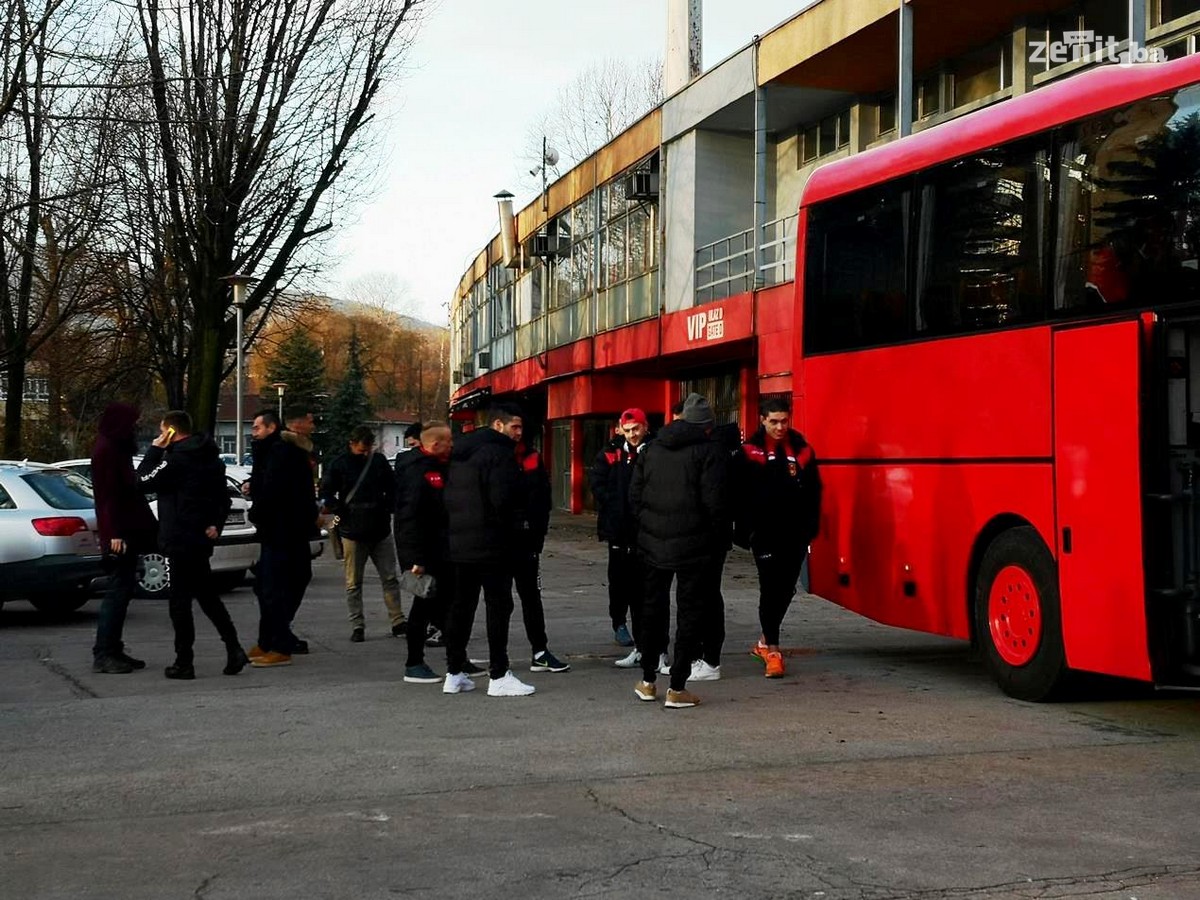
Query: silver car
column 49, row 549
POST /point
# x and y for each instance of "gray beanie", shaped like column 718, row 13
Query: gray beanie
column 697, row 411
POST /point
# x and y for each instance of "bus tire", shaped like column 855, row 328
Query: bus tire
column 1018, row 617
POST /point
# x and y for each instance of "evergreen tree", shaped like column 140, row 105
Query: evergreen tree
column 298, row 363
column 351, row 405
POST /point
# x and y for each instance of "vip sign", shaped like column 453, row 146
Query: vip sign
column 706, row 326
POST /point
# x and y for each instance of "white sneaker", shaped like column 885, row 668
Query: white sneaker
column 457, row 684
column 702, row 671
column 632, row 661
column 664, row 667
column 509, row 686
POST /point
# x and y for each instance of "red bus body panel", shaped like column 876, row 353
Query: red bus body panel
column 1097, row 429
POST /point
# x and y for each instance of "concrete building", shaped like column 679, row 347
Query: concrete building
column 665, row 262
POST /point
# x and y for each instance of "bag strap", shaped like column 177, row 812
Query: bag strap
column 361, row 476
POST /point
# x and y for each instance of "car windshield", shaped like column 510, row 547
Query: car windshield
column 62, row 489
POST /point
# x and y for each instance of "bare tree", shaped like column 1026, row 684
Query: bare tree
column 588, row 112
column 258, row 109
column 382, row 292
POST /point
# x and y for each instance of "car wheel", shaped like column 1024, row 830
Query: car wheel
column 1018, row 619
column 153, row 575
column 228, row 581
column 61, row 603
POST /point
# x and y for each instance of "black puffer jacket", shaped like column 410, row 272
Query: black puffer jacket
column 781, row 501
column 610, row 476
column 483, row 499
column 536, row 502
column 121, row 509
column 680, row 496
column 368, row 516
column 284, row 507
column 189, row 478
column 420, row 524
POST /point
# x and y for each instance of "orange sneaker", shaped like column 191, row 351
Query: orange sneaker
column 759, row 651
column 255, row 652
column 775, row 667
column 269, row 660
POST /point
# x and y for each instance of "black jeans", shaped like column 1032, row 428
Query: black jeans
column 527, row 578
column 778, row 573
column 191, row 579
column 496, row 583
column 699, row 619
column 284, row 571
column 110, row 625
column 627, row 576
column 427, row 610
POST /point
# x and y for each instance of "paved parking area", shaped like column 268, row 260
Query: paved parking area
column 886, row 765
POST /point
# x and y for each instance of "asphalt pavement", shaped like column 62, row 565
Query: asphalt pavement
column 885, row 765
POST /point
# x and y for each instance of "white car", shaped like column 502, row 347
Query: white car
column 234, row 553
column 49, row 551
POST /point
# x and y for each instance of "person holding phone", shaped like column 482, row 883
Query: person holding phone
column 186, row 472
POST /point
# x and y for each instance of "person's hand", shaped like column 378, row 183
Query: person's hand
column 211, row 532
column 418, row 570
column 116, row 545
column 164, row 437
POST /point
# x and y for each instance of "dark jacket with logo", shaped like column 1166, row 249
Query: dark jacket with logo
column 284, row 507
column 368, row 515
column 610, row 477
column 483, row 499
column 420, row 524
column 121, row 508
column 189, row 478
column 680, row 496
column 780, row 505
column 536, row 501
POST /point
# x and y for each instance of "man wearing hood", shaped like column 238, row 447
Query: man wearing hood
column 679, row 494
column 483, row 510
column 186, row 472
column 127, row 528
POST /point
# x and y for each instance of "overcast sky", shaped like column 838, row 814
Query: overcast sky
column 481, row 72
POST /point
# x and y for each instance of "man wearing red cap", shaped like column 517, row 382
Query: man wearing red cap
column 610, row 477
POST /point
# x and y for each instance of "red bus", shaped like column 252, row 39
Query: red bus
column 998, row 360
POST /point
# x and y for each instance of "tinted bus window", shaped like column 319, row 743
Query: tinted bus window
column 856, row 270
column 1128, row 193
column 982, row 239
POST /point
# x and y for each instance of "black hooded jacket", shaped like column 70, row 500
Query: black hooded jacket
column 420, row 524
column 610, row 476
column 781, row 496
column 483, row 499
column 680, row 496
column 284, row 507
column 536, row 502
column 121, row 508
column 189, row 478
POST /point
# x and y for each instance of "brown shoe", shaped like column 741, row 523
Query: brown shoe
column 646, row 691
column 255, row 652
column 268, row 660
column 681, row 699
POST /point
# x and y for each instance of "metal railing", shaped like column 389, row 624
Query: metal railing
column 726, row 267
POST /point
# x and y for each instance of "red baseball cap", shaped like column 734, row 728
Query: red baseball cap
column 633, row 414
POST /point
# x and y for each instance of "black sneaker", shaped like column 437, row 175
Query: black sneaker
column 434, row 637
column 133, row 661
column 180, row 673
column 548, row 662
column 400, row 630
column 471, row 670
column 111, row 665
column 235, row 661
column 300, row 646
column 357, row 636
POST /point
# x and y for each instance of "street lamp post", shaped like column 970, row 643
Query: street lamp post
column 239, row 282
column 280, row 386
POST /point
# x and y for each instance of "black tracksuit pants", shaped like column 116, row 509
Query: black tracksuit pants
column 626, row 587
column 778, row 572
column 284, row 571
column 427, row 610
column 699, row 619
column 527, row 579
column 192, row 579
column 496, row 583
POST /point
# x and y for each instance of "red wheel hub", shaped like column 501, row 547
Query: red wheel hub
column 1015, row 616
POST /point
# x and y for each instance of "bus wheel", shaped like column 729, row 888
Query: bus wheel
column 1017, row 616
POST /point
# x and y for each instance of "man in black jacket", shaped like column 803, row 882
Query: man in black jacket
column 527, row 575
column 360, row 489
column 679, row 494
column 284, row 510
column 779, row 517
column 483, row 508
column 420, row 530
column 186, row 472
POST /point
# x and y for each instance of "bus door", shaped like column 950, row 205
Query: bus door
column 1098, row 496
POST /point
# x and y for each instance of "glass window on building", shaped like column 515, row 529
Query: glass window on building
column 885, row 118
column 981, row 73
column 721, row 389
column 1169, row 10
column 810, row 143
column 927, row 96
